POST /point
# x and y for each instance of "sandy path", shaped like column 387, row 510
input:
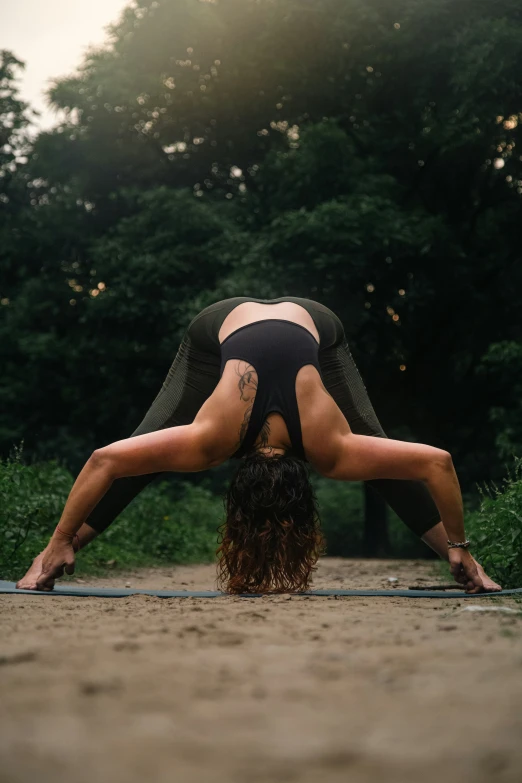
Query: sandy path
column 261, row 690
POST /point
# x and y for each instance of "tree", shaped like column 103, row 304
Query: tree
column 360, row 153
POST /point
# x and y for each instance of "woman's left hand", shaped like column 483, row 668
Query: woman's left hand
column 464, row 570
column 470, row 574
column 58, row 557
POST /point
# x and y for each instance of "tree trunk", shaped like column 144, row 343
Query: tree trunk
column 376, row 541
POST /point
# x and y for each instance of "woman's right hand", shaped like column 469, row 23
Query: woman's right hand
column 28, row 582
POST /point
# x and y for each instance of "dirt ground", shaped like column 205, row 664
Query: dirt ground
column 261, row 690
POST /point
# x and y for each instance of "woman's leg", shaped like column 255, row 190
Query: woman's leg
column 410, row 500
column 191, row 379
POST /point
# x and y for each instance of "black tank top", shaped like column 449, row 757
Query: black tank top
column 277, row 349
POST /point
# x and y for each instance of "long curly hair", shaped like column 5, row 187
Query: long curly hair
column 271, row 539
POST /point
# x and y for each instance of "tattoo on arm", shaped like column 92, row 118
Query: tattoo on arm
column 247, row 386
column 264, row 435
column 247, row 381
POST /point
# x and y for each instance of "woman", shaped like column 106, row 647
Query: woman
column 272, row 383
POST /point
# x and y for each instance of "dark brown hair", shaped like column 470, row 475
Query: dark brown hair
column 271, row 538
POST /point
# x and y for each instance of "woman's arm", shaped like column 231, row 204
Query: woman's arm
column 363, row 457
column 187, row 448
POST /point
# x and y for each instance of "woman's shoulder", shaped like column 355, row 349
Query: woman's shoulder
column 322, row 421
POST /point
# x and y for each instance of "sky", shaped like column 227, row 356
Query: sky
column 51, row 36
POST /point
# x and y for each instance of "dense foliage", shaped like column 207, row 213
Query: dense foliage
column 364, row 154
column 177, row 523
column 163, row 525
column 170, row 522
column 496, row 529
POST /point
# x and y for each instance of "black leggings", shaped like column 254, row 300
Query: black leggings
column 194, row 375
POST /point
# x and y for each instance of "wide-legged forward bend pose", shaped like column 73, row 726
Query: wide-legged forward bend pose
column 272, row 383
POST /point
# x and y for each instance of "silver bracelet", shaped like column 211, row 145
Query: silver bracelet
column 458, row 544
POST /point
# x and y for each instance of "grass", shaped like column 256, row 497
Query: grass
column 164, row 524
column 177, row 523
column 495, row 530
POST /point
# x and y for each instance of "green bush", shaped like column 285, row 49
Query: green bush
column 495, row 529
column 177, row 523
column 341, row 506
column 403, row 542
column 31, row 499
column 165, row 524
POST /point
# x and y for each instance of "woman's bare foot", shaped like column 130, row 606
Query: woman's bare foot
column 28, row 582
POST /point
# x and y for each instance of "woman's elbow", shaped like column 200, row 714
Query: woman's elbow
column 104, row 460
column 444, row 459
column 441, row 462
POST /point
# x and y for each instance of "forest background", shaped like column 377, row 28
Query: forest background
column 364, row 154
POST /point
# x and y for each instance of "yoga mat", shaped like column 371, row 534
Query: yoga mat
column 121, row 592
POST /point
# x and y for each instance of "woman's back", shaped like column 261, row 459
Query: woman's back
column 288, row 386
column 249, row 312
